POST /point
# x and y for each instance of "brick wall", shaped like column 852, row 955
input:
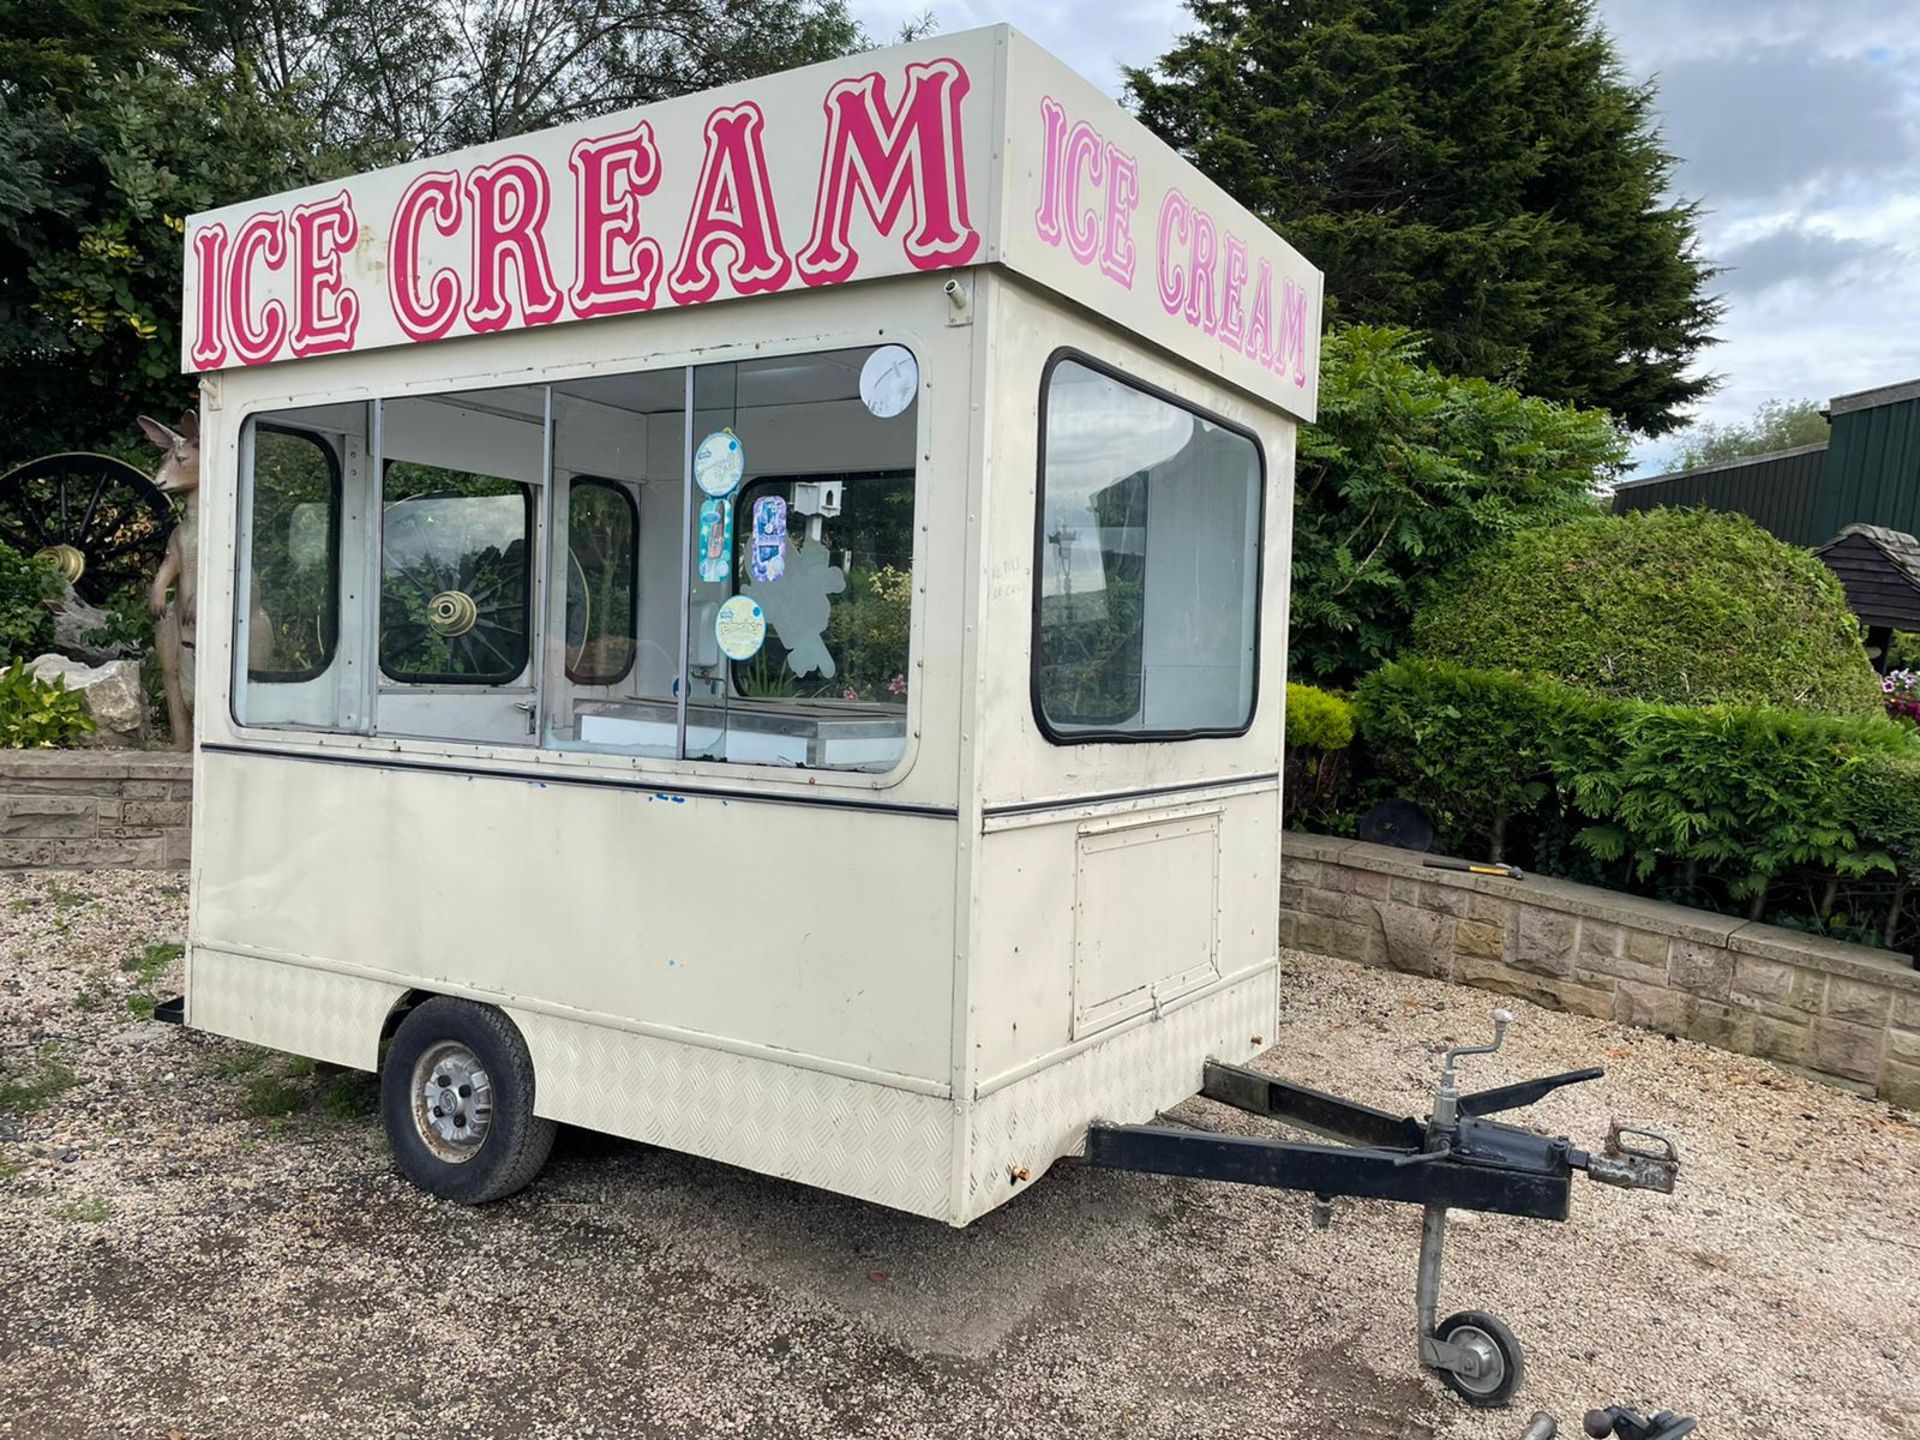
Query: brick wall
column 1845, row 1013
column 94, row 809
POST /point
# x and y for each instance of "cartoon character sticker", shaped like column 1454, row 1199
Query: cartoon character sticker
column 740, row 628
column 767, row 559
column 715, row 540
column 719, row 463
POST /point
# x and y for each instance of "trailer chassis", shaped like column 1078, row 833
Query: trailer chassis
column 1455, row 1159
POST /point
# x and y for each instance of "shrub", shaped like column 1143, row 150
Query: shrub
column 1320, row 727
column 28, row 590
column 1684, row 606
column 36, row 715
column 1317, row 719
column 1737, row 794
column 1406, row 473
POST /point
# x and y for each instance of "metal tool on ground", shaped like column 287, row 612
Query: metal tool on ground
column 1542, row 1427
column 1457, row 1158
column 1625, row 1424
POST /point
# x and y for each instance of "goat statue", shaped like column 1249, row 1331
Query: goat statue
column 174, row 616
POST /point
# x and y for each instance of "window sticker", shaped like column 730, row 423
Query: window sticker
column 740, row 628
column 889, row 380
column 799, row 608
column 715, row 540
column 767, row 556
column 719, row 463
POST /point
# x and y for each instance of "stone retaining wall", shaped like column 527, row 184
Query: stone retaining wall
column 95, row 809
column 1845, row 1013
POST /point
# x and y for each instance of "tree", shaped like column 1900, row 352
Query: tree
column 1477, row 170
column 1776, row 425
column 1407, row 473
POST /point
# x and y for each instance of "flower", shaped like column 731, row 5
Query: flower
column 897, row 685
column 849, row 693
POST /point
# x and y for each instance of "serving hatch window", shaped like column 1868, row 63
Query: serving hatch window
column 1147, row 596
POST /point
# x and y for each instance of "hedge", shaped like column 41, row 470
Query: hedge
column 1689, row 607
column 1729, row 796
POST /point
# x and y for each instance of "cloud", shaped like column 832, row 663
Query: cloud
column 1769, row 121
column 1800, row 254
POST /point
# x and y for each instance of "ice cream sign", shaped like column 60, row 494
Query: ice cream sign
column 978, row 148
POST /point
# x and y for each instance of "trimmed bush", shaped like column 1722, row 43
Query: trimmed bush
column 1317, row 720
column 1687, row 607
column 1739, row 795
column 1320, row 727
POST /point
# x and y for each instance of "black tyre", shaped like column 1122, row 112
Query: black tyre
column 1503, row 1367
column 456, row 1094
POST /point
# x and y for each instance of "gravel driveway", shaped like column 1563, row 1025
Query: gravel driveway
column 204, row 1240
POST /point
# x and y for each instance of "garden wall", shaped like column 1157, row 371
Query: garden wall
column 1845, row 1013
column 95, row 809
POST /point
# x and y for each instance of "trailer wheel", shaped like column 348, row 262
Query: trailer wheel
column 456, row 1094
column 1502, row 1366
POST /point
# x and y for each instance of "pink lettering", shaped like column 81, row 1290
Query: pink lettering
column 1200, row 309
column 1292, row 346
column 889, row 159
column 1175, row 214
column 432, row 198
column 209, row 254
column 615, row 268
column 733, row 210
column 1046, row 220
column 262, row 237
column 1123, row 196
column 509, row 200
column 1231, row 315
column 325, row 312
column 1083, row 225
column 1258, row 344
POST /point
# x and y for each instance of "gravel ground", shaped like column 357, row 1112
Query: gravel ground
column 207, row 1241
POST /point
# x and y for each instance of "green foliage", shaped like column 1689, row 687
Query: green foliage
column 1688, row 606
column 1407, row 472
column 27, row 590
column 1740, row 794
column 39, row 716
column 1477, row 169
column 1776, row 425
column 1318, row 720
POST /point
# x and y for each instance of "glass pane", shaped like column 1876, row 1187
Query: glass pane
column 453, row 597
column 802, row 549
column 295, row 577
column 602, row 564
column 1149, row 563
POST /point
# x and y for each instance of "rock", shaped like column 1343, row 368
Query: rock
column 114, row 696
column 73, row 621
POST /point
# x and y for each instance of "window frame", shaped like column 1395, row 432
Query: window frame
column 601, row 482
column 337, row 500
column 1054, row 736
column 464, row 682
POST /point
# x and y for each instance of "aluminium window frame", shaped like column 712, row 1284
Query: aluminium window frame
column 1070, row 354
column 336, row 500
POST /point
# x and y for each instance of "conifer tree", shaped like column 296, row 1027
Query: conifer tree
column 1478, row 170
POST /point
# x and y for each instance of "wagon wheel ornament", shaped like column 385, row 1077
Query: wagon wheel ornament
column 97, row 520
column 475, row 603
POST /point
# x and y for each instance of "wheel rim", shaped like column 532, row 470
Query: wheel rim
column 1493, row 1365
column 452, row 1102
column 97, row 520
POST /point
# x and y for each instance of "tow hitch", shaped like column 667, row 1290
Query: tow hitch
column 1456, row 1159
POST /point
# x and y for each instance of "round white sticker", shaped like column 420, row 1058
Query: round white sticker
column 719, row 463
column 889, row 380
column 740, row 629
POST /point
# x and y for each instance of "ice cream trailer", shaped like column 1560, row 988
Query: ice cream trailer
column 764, row 629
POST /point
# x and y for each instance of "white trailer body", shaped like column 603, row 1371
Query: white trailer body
column 782, row 593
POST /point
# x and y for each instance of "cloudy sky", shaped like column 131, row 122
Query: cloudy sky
column 1799, row 126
